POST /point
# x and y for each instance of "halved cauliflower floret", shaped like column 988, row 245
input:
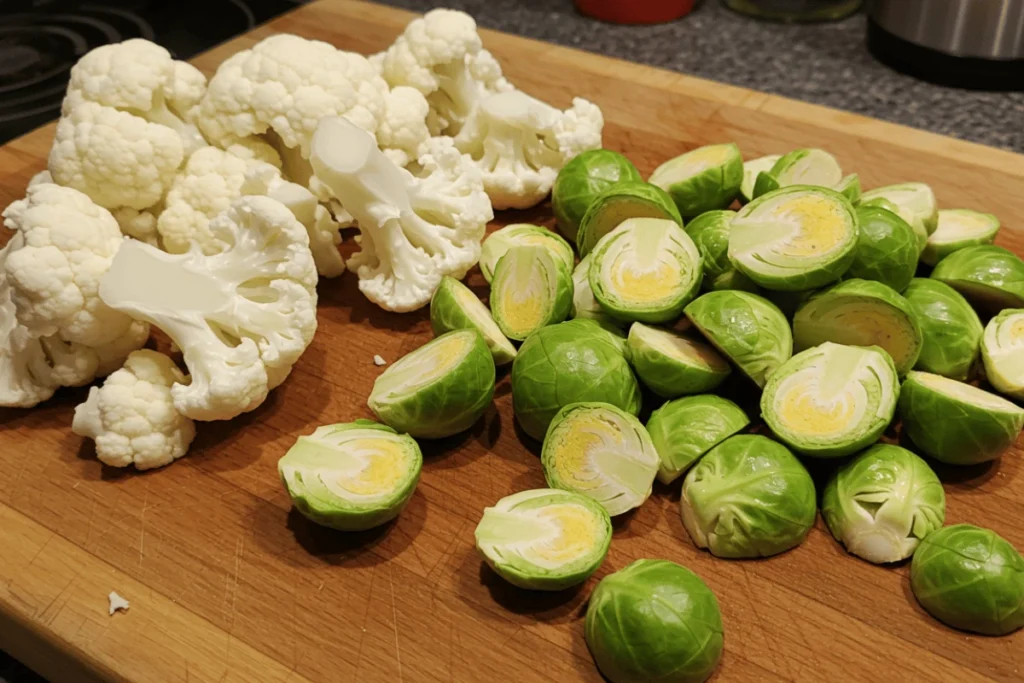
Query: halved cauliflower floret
column 132, row 417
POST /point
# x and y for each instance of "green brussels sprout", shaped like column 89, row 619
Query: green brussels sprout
column 654, row 621
column 1002, row 351
column 861, row 313
column 671, row 365
column 710, row 232
column 531, row 288
column 951, row 328
column 581, row 180
column 794, row 239
column 703, row 179
column 619, row 203
column 685, row 429
column 831, row 400
column 915, row 203
column 544, row 539
column 604, row 330
column 959, row 228
column 765, row 183
column 500, row 241
column 850, row 188
column 971, row 579
column 438, row 390
column 990, row 277
column 647, row 269
column 882, row 503
column 454, row 306
column 750, row 330
column 601, row 451
column 351, row 476
column 748, row 497
column 956, row 423
column 886, row 248
column 568, row 363
column 751, row 169
column 584, row 304
column 807, row 167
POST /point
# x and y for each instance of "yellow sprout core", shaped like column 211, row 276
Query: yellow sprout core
column 822, row 225
column 574, row 530
column 637, row 284
column 803, row 412
column 702, row 159
column 383, row 466
column 1017, row 329
column 423, row 366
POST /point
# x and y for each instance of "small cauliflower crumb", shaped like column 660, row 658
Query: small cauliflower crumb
column 117, row 603
column 377, row 360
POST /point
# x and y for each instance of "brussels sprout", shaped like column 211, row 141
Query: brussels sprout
column 581, row 180
column 687, row 428
column 861, row 313
column 788, row 302
column 351, row 476
column 807, row 167
column 439, row 389
column 886, row 248
column 750, row 330
column 499, row 242
column 1002, row 350
column 831, row 400
column 765, row 183
column 584, row 304
column 654, row 621
column 544, row 539
column 531, row 288
column 951, row 328
column 568, row 363
column 971, row 579
column 703, row 179
column 882, row 503
column 671, row 365
column 956, row 423
column 604, row 330
column 455, row 307
column 710, row 232
column 601, row 451
column 751, row 169
column 959, row 228
column 913, row 202
column 646, row 269
column 748, row 497
column 850, row 188
column 618, row 203
column 794, row 239
column 990, row 277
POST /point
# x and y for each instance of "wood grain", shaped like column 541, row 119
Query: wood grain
column 227, row 583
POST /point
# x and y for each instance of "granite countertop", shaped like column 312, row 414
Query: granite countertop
column 826, row 64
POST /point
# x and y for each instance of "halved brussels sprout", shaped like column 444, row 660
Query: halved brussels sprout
column 807, row 167
column 913, row 202
column 685, row 429
column 1002, row 350
column 710, row 232
column 619, row 203
column 886, row 248
column 794, row 239
column 951, row 328
column 882, row 503
column 671, row 365
column 861, row 313
column 748, row 497
column 990, row 277
column 351, row 476
column 601, row 451
column 531, row 288
column 544, row 539
column 454, row 306
column 956, row 423
column 584, row 304
column 788, row 302
column 959, row 228
column 850, row 188
column 654, row 621
column 439, row 389
column 581, row 180
column 971, row 579
column 750, row 330
column 500, row 241
column 751, row 169
column 568, row 363
column 703, row 179
column 646, row 269
column 831, row 400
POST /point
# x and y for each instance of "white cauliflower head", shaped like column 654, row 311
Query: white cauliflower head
column 132, row 417
column 25, row 378
column 241, row 317
column 403, row 129
column 520, row 144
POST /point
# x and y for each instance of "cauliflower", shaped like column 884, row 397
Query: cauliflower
column 75, row 365
column 25, row 378
column 520, row 144
column 415, row 229
column 241, row 317
column 403, row 129
column 132, row 417
column 441, row 55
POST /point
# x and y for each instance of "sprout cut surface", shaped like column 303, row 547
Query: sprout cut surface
column 702, row 179
column 990, row 277
column 499, row 242
column 1002, row 350
column 807, row 167
column 886, row 248
column 672, row 365
column 619, row 203
column 531, row 288
column 951, row 328
column 959, row 228
column 750, row 171
column 685, row 429
column 455, row 307
column 581, row 180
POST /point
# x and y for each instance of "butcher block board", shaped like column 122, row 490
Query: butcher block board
column 227, row 583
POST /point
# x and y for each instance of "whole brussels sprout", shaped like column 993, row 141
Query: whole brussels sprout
column 950, row 328
column 710, row 232
column 531, row 288
column 685, row 429
column 959, row 228
column 990, row 277
column 583, row 178
column 1002, row 350
column 886, row 249
column 500, row 241
column 619, row 203
column 703, row 179
column 455, row 307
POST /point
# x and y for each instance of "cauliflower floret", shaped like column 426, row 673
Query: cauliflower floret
column 241, row 317
column 415, row 229
column 75, row 365
column 403, row 130
column 41, row 178
column 132, row 417
column 520, row 144
column 25, row 378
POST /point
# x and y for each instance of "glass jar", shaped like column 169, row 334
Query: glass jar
column 796, row 10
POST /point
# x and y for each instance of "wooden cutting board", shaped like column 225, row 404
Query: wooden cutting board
column 226, row 583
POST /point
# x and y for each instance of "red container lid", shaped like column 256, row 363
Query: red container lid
column 635, row 11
